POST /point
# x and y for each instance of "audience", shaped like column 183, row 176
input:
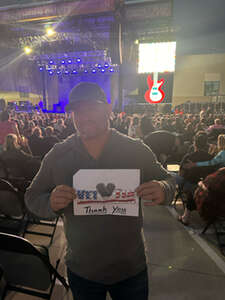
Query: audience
column 188, row 179
column 19, row 163
column 181, row 138
column 218, row 160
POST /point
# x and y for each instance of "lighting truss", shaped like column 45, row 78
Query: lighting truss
column 91, row 62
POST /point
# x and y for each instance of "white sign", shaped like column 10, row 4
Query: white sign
column 106, row 192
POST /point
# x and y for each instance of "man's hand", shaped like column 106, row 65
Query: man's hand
column 61, row 196
column 151, row 191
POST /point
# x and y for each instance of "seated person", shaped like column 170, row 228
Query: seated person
column 134, row 128
column 214, row 130
column 189, row 177
column 19, row 163
column 35, row 142
column 146, row 126
column 209, row 196
column 49, row 140
column 218, row 160
column 163, row 143
column 6, row 127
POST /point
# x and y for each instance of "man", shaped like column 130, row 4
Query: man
column 215, row 130
column 49, row 140
column 163, row 143
column 104, row 252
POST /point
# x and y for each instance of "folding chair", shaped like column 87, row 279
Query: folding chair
column 2, row 283
column 32, row 220
column 18, row 185
column 3, row 170
column 180, row 194
column 27, row 268
column 12, row 209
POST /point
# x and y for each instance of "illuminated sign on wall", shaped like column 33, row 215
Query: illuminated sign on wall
column 155, row 93
column 157, row 57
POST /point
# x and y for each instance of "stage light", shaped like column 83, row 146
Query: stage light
column 27, row 50
column 69, row 61
column 106, row 65
column 51, row 62
column 41, row 68
column 111, row 70
column 85, row 71
column 93, row 71
column 66, row 72
column 63, row 61
column 102, row 70
column 99, row 66
column 50, row 72
column 50, row 31
column 74, row 72
column 78, row 60
column 58, row 72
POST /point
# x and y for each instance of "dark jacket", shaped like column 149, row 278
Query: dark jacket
column 103, row 248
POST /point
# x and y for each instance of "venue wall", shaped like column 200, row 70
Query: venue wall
column 191, row 73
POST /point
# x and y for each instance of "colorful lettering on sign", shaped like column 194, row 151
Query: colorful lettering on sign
column 90, row 197
column 155, row 93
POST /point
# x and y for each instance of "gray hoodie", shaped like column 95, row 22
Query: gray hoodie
column 106, row 248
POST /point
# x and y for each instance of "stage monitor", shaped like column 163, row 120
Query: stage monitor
column 157, row 57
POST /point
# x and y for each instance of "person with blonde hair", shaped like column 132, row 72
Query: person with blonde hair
column 6, row 127
column 18, row 162
column 10, row 142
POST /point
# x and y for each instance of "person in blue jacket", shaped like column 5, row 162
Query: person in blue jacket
column 219, row 159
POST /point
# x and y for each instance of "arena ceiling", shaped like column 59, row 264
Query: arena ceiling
column 89, row 25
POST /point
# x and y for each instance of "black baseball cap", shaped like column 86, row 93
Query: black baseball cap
column 86, row 91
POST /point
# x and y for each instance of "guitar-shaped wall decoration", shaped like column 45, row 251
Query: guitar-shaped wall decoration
column 155, row 93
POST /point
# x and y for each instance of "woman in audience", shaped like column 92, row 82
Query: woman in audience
column 19, row 163
column 6, row 127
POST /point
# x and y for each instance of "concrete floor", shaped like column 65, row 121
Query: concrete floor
column 179, row 266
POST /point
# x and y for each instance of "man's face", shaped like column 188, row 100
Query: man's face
column 91, row 118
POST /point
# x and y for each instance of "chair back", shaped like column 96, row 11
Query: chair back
column 3, row 170
column 23, row 264
column 11, row 203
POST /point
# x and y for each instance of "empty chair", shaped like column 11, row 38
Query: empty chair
column 2, row 283
column 16, row 219
column 12, row 208
column 27, row 268
column 3, row 170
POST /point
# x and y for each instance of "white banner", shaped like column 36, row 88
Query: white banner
column 106, row 192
